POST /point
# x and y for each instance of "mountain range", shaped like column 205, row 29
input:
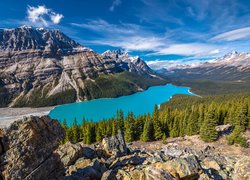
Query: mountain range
column 233, row 66
column 41, row 67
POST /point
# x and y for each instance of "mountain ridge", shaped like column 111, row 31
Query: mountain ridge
column 46, row 65
column 233, row 66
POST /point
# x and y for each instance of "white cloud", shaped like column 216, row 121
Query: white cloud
column 136, row 43
column 115, row 4
column 42, row 16
column 56, row 18
column 233, row 35
column 103, row 26
column 123, row 35
column 180, row 63
column 134, row 37
column 196, row 49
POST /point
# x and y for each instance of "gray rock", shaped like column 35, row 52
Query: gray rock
column 69, row 153
column 115, row 145
column 224, row 130
column 28, row 144
column 152, row 173
column 173, row 151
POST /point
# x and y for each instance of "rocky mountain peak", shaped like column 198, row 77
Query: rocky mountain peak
column 115, row 53
column 29, row 38
column 120, row 54
column 38, row 62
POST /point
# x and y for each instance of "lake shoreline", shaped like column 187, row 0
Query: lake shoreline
column 9, row 115
column 139, row 103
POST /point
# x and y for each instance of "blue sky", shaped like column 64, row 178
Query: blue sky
column 153, row 29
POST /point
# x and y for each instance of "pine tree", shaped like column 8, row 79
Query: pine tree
column 174, row 131
column 157, row 130
column 148, row 130
column 88, row 135
column 120, row 119
column 69, row 134
column 157, row 124
column 207, row 131
column 237, row 138
column 192, row 126
column 139, row 123
column 76, row 132
column 129, row 128
column 242, row 117
column 99, row 132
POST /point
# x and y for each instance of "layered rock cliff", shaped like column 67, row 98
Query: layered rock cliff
column 40, row 67
column 32, row 150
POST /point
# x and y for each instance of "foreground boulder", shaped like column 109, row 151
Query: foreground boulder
column 187, row 167
column 115, row 145
column 27, row 144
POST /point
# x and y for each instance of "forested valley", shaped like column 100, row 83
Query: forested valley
column 182, row 115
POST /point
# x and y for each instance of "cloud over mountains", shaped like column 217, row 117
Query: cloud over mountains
column 43, row 16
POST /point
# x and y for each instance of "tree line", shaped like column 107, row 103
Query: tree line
column 199, row 117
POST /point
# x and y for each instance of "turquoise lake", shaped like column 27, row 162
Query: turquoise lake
column 103, row 108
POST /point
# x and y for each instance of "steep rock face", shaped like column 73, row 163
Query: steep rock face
column 27, row 145
column 46, row 64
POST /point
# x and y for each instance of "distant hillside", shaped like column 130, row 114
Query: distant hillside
column 226, row 75
column 232, row 67
column 40, row 67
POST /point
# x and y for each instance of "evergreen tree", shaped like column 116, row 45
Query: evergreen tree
column 207, row 131
column 88, row 134
column 76, row 132
column 237, row 138
column 129, row 128
column 69, row 134
column 157, row 130
column 148, row 130
column 242, row 117
column 99, row 132
column 157, row 124
column 139, row 123
column 193, row 125
column 174, row 131
column 120, row 119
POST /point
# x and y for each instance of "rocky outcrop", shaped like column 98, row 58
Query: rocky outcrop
column 116, row 145
column 32, row 150
column 28, row 144
column 38, row 65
